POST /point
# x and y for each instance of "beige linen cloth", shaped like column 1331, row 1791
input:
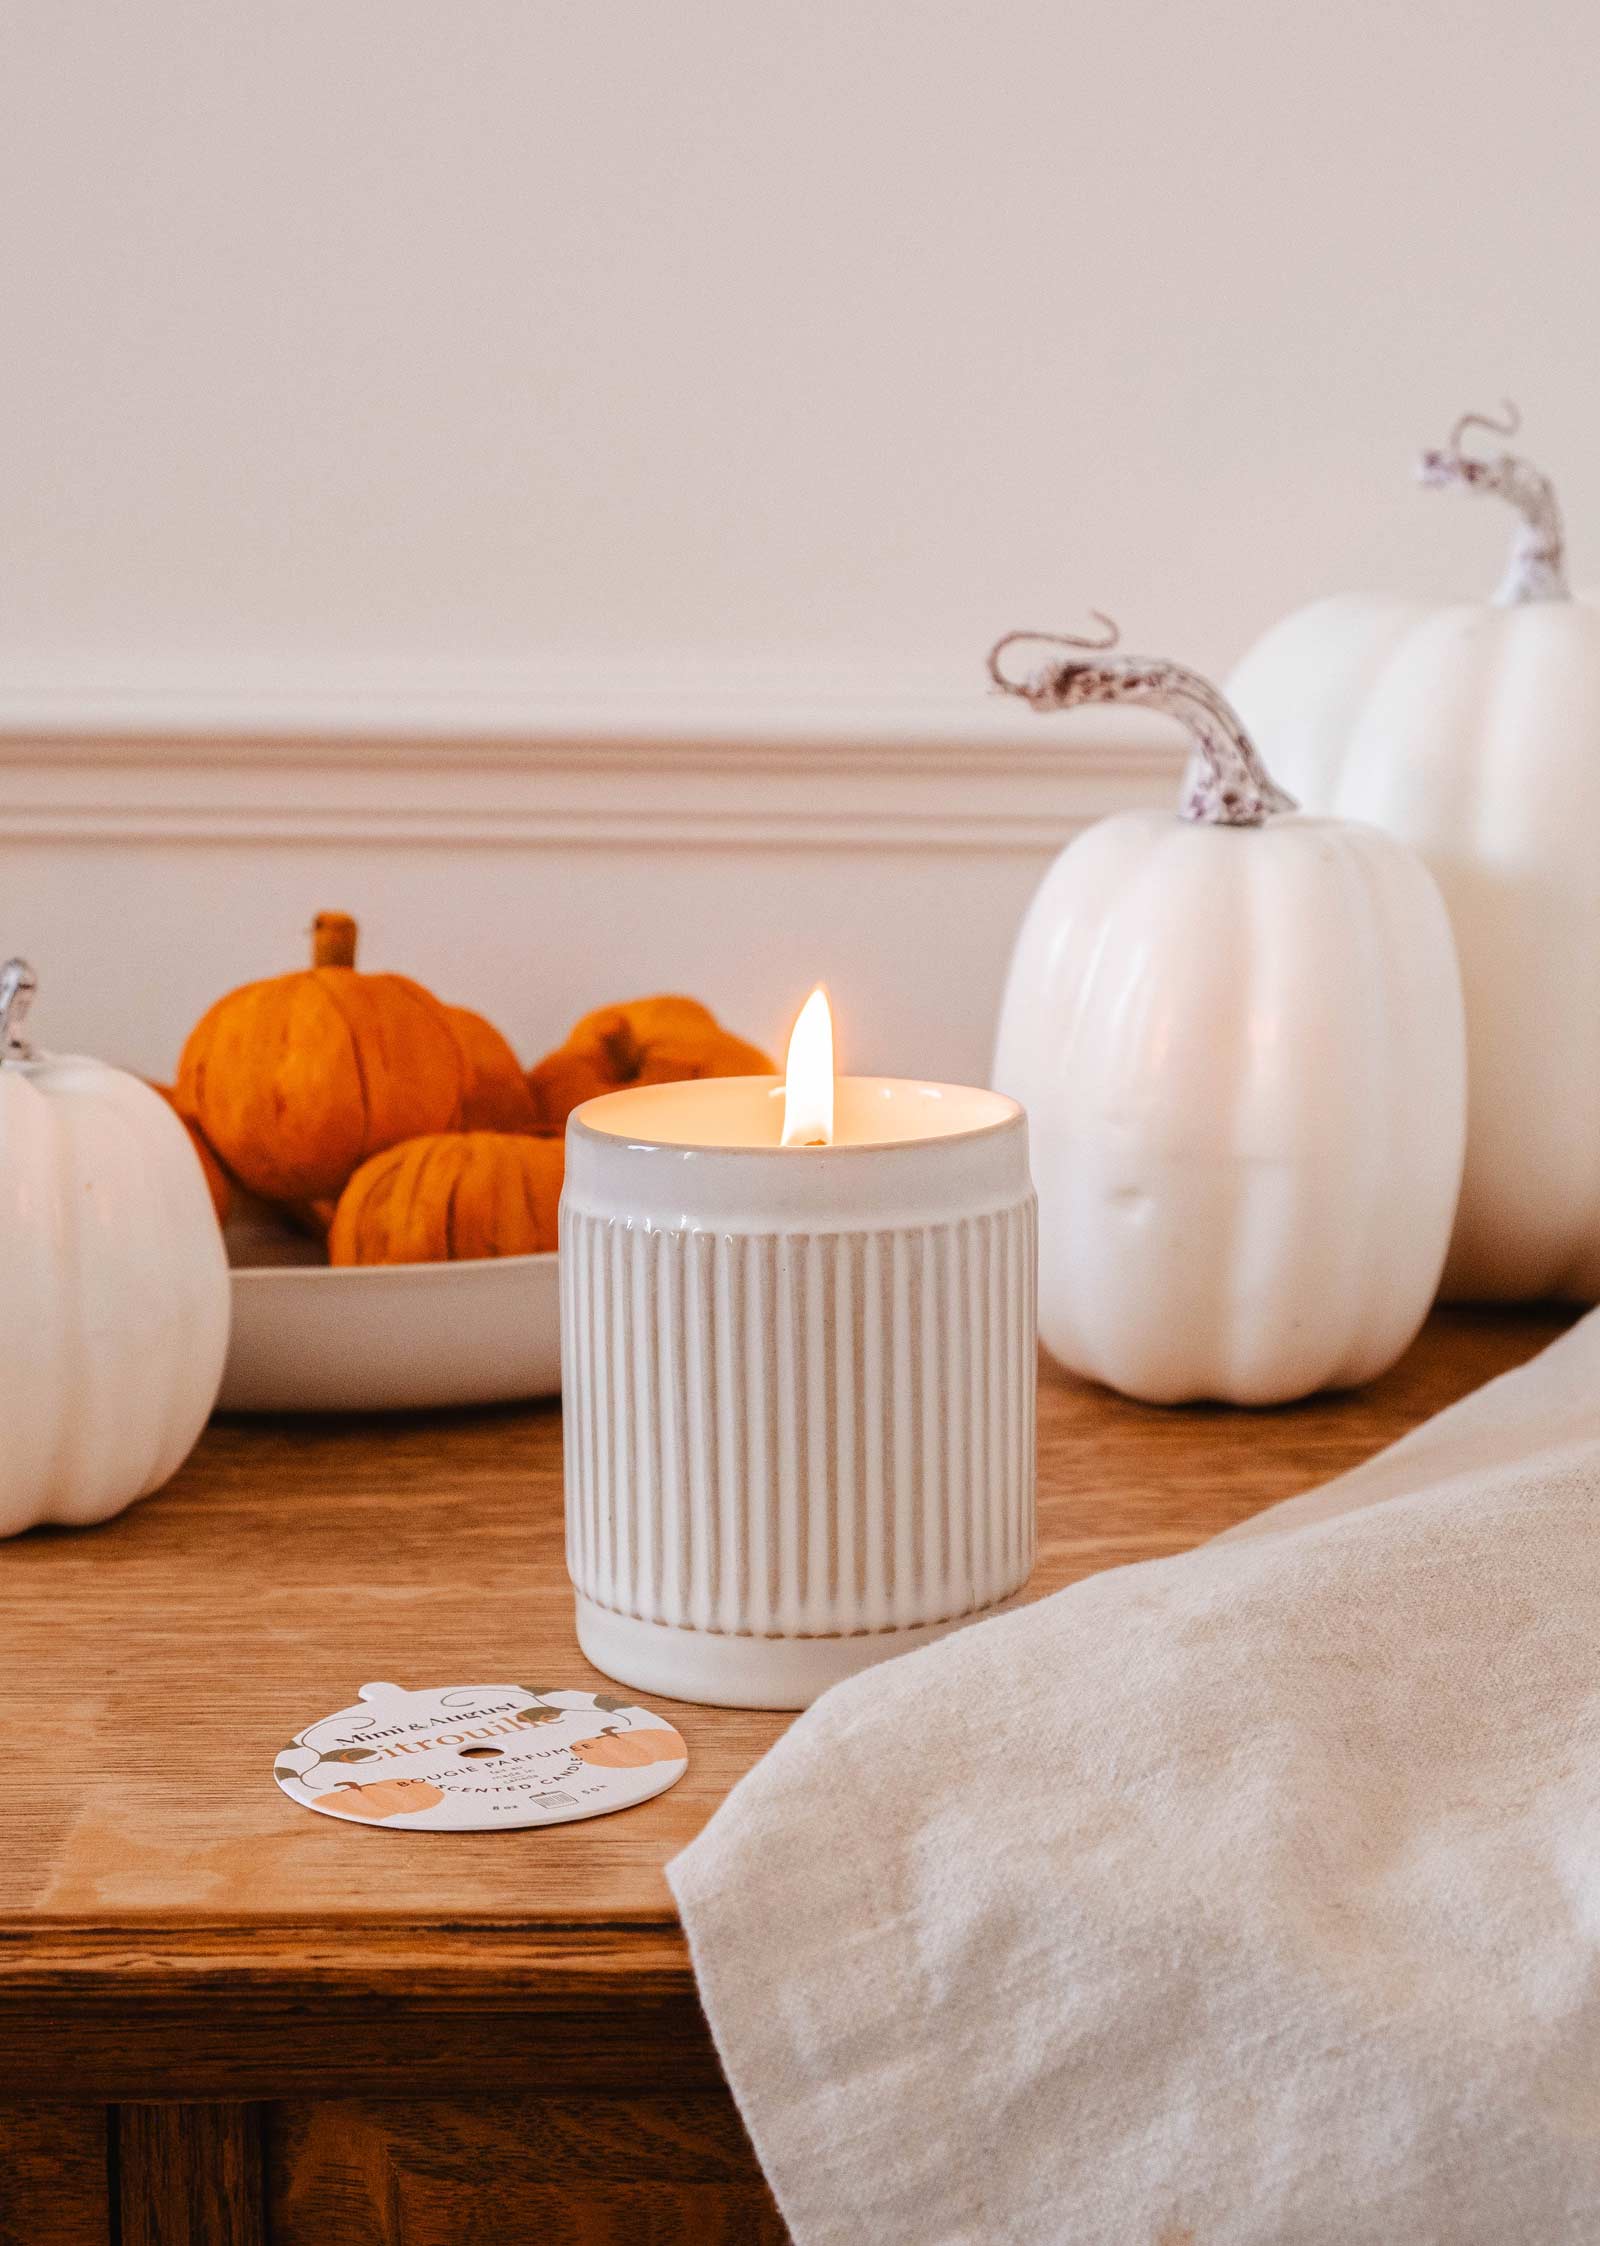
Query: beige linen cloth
column 1248, row 1896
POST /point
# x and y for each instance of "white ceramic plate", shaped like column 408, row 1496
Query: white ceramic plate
column 386, row 1337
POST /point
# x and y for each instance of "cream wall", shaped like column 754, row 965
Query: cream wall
column 672, row 375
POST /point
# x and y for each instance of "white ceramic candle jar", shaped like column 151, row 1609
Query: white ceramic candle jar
column 798, row 1381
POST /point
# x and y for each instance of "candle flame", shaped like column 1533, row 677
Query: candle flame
column 808, row 1076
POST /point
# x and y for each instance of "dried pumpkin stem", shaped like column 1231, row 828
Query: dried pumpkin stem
column 17, row 986
column 1227, row 784
column 1537, row 568
column 333, row 940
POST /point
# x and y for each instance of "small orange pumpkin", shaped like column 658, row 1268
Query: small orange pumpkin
column 297, row 1080
column 382, row 1797
column 647, row 1041
column 630, row 1750
column 497, row 1096
column 216, row 1176
column 449, row 1198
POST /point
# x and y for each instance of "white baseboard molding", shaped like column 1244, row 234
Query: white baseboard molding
column 696, row 760
column 536, row 853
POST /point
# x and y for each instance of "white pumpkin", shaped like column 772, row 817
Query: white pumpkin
column 1473, row 733
column 113, row 1284
column 1238, row 1036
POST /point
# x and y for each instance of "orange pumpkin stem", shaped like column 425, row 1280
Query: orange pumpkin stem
column 333, row 940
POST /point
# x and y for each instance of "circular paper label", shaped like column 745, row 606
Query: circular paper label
column 470, row 1758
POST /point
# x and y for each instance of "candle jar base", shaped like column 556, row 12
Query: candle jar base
column 719, row 1670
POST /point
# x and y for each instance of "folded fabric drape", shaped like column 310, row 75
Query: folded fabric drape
column 1247, row 1898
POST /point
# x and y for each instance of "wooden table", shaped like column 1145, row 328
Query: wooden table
column 224, row 2020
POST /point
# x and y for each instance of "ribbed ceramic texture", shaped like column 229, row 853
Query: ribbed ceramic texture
column 799, row 1435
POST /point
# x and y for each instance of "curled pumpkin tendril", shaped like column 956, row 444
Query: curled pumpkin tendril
column 1537, row 567
column 1228, row 784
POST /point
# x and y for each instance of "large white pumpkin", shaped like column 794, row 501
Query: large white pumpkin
column 1473, row 732
column 1238, row 1036
column 113, row 1284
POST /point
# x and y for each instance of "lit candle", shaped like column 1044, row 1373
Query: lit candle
column 808, row 1076
column 798, row 1372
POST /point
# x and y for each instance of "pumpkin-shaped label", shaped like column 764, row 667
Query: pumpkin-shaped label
column 474, row 1758
column 617, row 1748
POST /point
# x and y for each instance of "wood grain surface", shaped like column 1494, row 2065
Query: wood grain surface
column 189, row 2175
column 667, row 2170
column 171, row 1925
column 55, row 2175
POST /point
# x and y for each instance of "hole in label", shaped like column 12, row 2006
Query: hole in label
column 466, row 1751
